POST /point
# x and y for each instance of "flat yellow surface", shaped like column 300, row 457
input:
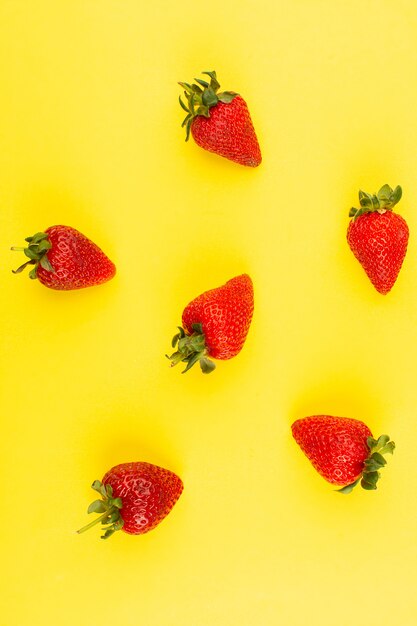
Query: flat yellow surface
column 90, row 136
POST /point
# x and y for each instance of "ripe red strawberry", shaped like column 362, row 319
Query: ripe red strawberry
column 342, row 450
column 215, row 324
column 135, row 498
column 220, row 122
column 378, row 237
column 64, row 259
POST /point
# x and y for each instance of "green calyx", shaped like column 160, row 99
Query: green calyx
column 108, row 507
column 384, row 200
column 191, row 349
column 374, row 462
column 36, row 251
column 200, row 97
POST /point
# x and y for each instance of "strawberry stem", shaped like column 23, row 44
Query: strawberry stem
column 384, row 200
column 109, row 508
column 375, row 461
column 200, row 97
column 36, row 252
column 191, row 349
column 97, row 520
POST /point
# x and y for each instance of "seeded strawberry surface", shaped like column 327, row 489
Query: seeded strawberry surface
column 148, row 493
column 77, row 261
column 378, row 237
column 228, row 132
column 225, row 314
column 379, row 242
column 336, row 446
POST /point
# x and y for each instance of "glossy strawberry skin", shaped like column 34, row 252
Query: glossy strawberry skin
column 77, row 261
column 336, row 446
column 379, row 242
column 228, row 132
column 225, row 314
column 148, row 493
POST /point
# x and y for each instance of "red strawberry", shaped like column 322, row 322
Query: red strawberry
column 63, row 258
column 378, row 237
column 215, row 324
column 220, row 122
column 135, row 498
column 342, row 450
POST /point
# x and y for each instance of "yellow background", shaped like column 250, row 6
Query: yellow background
column 90, row 136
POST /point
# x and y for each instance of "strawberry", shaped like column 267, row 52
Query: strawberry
column 342, row 450
column 64, row 259
column 135, row 498
column 220, row 122
column 378, row 237
column 215, row 324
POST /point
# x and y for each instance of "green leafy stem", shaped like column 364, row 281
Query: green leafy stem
column 384, row 200
column 109, row 508
column 200, row 97
column 36, row 251
column 191, row 349
column 375, row 462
